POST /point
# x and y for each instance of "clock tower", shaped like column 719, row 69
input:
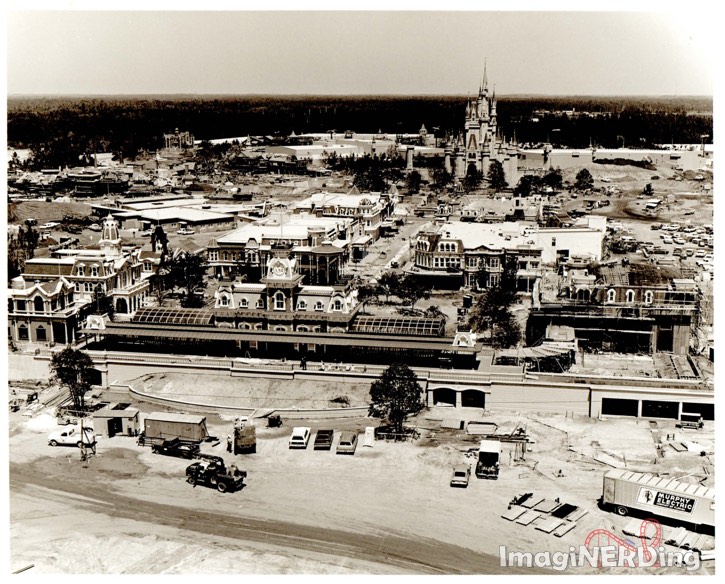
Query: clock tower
column 282, row 280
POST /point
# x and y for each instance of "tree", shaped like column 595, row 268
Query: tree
column 388, row 284
column 412, row 290
column 492, row 311
column 584, row 180
column 101, row 303
column 365, row 293
column 648, row 191
column 497, row 176
column 74, row 370
column 527, row 184
column 396, row 395
column 187, row 271
column 441, row 178
column 413, row 181
column 553, row 179
column 473, row 179
column 29, row 238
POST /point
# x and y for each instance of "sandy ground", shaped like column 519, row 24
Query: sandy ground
column 129, row 511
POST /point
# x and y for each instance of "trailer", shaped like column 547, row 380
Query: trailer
column 160, row 426
column 489, row 455
column 625, row 491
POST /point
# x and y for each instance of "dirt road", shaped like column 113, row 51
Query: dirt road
column 81, row 502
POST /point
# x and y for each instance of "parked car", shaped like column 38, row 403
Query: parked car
column 185, row 231
column 323, row 440
column 95, row 227
column 700, row 253
column 300, row 437
column 49, row 225
column 348, row 443
column 460, row 476
column 72, row 437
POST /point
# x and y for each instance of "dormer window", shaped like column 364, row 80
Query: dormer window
column 319, row 306
column 337, row 305
column 224, row 300
column 611, row 295
column 38, row 304
column 302, row 305
column 81, row 271
column 630, row 296
column 260, row 303
column 244, row 303
column 94, row 271
column 648, row 297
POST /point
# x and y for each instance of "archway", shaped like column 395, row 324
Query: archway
column 121, row 306
column 444, row 396
column 473, row 398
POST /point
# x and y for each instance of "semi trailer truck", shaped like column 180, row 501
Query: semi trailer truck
column 625, row 492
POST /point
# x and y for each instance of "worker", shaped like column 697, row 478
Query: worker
column 229, row 443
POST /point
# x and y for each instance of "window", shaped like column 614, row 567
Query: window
column 302, row 305
column 279, row 301
column 648, row 297
column 78, row 286
column 553, row 241
column 630, row 296
column 38, row 304
column 88, row 287
column 244, row 303
column 40, row 334
column 224, row 300
column 23, row 332
column 147, row 267
column 493, row 263
column 20, row 305
column 81, row 271
column 337, row 305
column 94, row 271
column 260, row 303
column 213, row 255
column 226, row 256
column 318, row 306
column 611, row 295
column 493, row 280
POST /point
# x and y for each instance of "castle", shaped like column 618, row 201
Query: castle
column 481, row 142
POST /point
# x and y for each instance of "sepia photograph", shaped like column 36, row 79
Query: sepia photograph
column 381, row 289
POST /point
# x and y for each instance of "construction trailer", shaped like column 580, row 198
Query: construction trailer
column 625, row 492
column 489, row 456
column 116, row 419
column 160, row 426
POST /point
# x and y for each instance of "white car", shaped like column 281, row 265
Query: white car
column 185, row 231
column 49, row 225
column 72, row 437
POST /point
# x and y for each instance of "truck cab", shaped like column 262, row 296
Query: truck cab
column 692, row 421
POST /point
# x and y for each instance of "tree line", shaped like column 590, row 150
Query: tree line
column 60, row 131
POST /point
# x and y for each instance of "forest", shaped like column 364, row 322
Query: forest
column 59, row 130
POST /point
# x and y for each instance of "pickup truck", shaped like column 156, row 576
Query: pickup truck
column 176, row 447
column 72, row 437
column 323, row 440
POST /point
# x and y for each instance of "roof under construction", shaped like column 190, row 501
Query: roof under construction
column 399, row 325
column 187, row 316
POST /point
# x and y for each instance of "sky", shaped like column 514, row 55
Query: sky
column 321, row 51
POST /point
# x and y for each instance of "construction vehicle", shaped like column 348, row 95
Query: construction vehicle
column 625, row 492
column 245, row 437
column 489, row 455
column 692, row 421
column 212, row 472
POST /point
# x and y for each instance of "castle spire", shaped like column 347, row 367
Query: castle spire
column 485, row 76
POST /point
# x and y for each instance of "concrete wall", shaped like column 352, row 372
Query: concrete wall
column 22, row 366
column 575, row 241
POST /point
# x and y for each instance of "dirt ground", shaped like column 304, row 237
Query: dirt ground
column 130, row 511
